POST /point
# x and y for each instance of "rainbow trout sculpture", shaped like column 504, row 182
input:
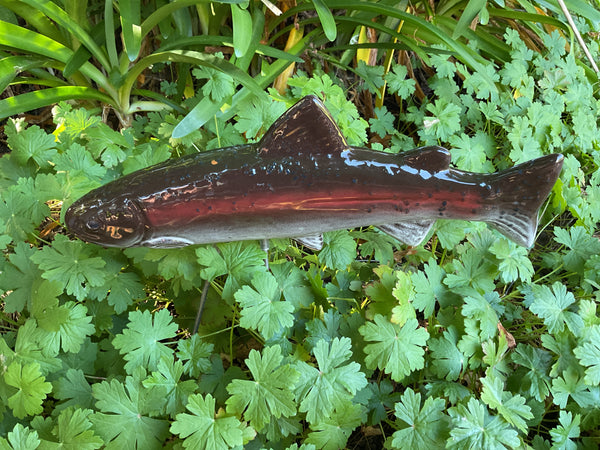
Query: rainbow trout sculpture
column 301, row 180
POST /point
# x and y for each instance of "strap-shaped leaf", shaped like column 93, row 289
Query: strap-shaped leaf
column 58, row 15
column 132, row 31
column 242, row 29
column 45, row 97
column 326, row 18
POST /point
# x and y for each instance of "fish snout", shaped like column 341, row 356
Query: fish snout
column 114, row 223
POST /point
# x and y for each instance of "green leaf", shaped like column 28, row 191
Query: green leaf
column 203, row 429
column 205, row 110
column 399, row 83
column 326, row 18
column 511, row 406
column 78, row 161
column 376, row 243
column 426, row 426
column 180, row 266
column 256, row 114
column 514, row 261
column 471, row 272
column 74, row 388
column 333, row 431
column 568, row 429
column 485, row 309
column 293, row 282
column 404, row 293
column 588, row 354
column 132, row 31
column 326, row 328
column 372, row 75
column 483, row 82
column 398, row 349
column 448, row 360
column 242, row 29
column 570, row 384
column 18, row 278
column 469, row 12
column 196, row 353
column 44, row 97
column 120, row 289
column 471, row 152
column 238, row 260
column 383, row 122
column 382, row 301
column 537, row 361
column 270, row 394
column 474, row 427
column 216, row 379
column 140, row 341
column 35, row 144
column 444, row 121
column 429, row 288
column 166, row 382
column 31, row 388
column 73, row 430
column 553, row 305
column 72, row 264
column 124, row 420
column 339, row 249
column 66, row 328
column 495, row 357
column 262, row 308
column 381, row 400
column 21, row 211
column 146, row 155
column 581, row 246
column 321, row 390
column 79, row 121
column 27, row 349
column 21, row 438
column 219, row 86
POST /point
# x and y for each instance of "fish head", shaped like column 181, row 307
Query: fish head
column 116, row 222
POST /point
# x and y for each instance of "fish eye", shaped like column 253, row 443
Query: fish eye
column 92, row 225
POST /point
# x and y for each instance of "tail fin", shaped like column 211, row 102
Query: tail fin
column 523, row 189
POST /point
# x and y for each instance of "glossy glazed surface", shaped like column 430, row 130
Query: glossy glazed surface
column 303, row 179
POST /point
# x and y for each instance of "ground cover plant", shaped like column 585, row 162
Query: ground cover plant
column 466, row 341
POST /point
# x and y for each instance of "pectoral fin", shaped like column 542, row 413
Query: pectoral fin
column 410, row 233
column 313, row 242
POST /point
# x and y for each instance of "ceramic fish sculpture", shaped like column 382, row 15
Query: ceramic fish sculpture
column 301, row 180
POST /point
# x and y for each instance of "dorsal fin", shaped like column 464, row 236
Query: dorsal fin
column 432, row 159
column 307, row 127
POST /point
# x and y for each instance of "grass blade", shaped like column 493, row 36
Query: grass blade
column 44, row 97
column 198, row 116
column 62, row 18
column 132, row 31
column 242, row 30
column 326, row 18
column 470, row 12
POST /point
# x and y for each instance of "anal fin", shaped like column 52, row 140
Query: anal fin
column 314, row 242
column 410, row 233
